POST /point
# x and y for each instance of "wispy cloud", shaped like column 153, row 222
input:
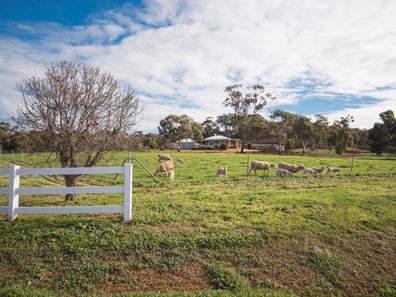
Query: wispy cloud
column 179, row 55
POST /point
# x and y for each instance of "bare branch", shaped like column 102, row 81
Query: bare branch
column 79, row 111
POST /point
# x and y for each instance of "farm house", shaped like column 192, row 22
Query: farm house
column 188, row 144
column 218, row 140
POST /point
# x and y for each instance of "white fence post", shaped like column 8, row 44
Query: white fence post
column 128, row 192
column 14, row 191
column 13, row 197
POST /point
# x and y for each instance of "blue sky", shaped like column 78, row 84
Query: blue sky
column 328, row 57
column 68, row 13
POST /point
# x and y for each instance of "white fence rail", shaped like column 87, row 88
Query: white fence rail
column 13, row 191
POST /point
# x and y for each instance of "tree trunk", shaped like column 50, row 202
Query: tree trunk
column 71, row 181
column 279, row 146
column 242, row 147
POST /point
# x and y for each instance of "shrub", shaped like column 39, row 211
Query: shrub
column 225, row 279
column 224, row 146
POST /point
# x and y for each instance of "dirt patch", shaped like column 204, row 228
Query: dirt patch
column 50, row 275
column 8, row 271
column 363, row 265
column 188, row 278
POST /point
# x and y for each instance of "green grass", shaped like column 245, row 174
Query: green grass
column 206, row 236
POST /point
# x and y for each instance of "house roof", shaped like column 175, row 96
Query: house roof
column 187, row 140
column 216, row 138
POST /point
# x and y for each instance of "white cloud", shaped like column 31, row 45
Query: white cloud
column 367, row 114
column 180, row 55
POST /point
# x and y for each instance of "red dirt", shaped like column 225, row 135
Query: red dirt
column 6, row 270
column 191, row 278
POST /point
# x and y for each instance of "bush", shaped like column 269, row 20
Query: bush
column 225, row 279
column 224, row 146
column 290, row 144
column 253, row 146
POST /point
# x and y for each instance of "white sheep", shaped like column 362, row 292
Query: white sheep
column 282, row 172
column 180, row 161
column 164, row 167
column 171, row 174
column 333, row 170
column 309, row 171
column 259, row 165
column 319, row 170
column 291, row 167
column 164, row 157
column 222, row 171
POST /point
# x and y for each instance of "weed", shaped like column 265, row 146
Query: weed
column 225, row 279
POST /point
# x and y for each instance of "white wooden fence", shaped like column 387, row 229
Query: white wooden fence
column 13, row 191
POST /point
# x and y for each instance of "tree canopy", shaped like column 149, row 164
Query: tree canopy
column 382, row 136
column 174, row 128
column 245, row 103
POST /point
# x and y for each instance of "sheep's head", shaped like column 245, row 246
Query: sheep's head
column 272, row 165
column 157, row 172
column 170, row 174
column 300, row 167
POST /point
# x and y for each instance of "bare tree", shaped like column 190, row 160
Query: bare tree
column 81, row 112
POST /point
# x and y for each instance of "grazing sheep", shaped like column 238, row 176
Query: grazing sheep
column 164, row 157
column 222, row 171
column 309, row 171
column 319, row 170
column 282, row 172
column 291, row 167
column 259, row 165
column 171, row 174
column 180, row 161
column 164, row 167
column 333, row 170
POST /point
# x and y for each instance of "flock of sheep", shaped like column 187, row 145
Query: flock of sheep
column 283, row 169
column 289, row 169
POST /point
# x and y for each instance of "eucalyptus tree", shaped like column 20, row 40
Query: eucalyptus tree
column 210, row 127
column 382, row 136
column 304, row 130
column 340, row 135
column 173, row 128
column 321, row 130
column 245, row 102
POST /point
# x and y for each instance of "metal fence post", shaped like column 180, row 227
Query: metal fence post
column 13, row 197
column 127, row 192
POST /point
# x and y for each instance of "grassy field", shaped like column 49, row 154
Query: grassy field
column 206, row 236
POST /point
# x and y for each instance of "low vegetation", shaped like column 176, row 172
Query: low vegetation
column 205, row 236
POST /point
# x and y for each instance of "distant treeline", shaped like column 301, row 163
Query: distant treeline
column 282, row 128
